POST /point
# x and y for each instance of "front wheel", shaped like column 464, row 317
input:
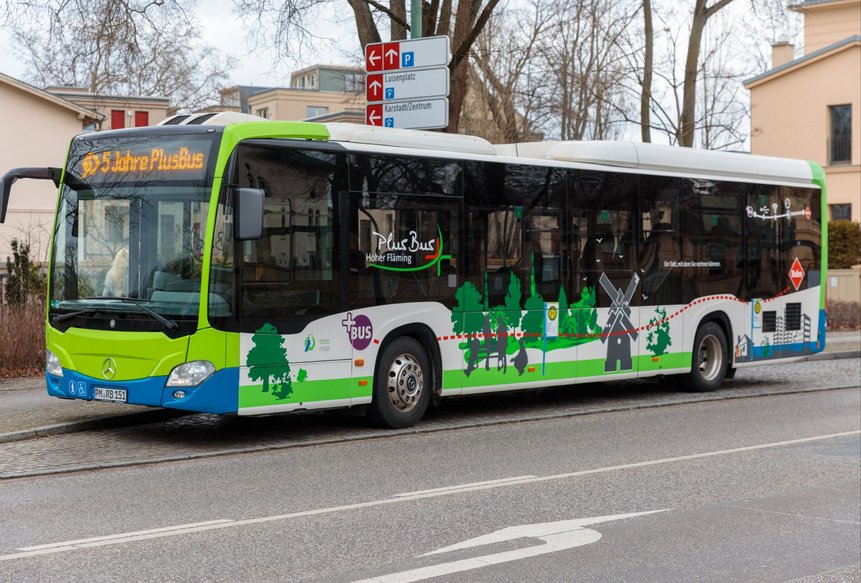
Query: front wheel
column 402, row 385
column 709, row 365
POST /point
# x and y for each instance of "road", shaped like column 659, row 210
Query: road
column 764, row 488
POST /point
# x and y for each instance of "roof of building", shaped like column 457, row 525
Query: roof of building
column 812, row 4
column 72, row 93
column 805, row 60
column 82, row 112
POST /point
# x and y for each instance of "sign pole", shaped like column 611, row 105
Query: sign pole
column 415, row 18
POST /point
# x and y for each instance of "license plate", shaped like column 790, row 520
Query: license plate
column 114, row 395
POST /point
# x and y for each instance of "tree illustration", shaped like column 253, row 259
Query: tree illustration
column 533, row 320
column 467, row 316
column 513, row 312
column 267, row 361
column 584, row 315
column 303, row 374
column 658, row 339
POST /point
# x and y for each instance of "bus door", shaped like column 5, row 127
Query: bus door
column 661, row 251
column 290, row 301
column 510, row 308
column 607, row 308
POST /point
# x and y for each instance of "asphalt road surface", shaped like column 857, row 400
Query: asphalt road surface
column 742, row 489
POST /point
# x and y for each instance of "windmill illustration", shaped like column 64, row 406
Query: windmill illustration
column 619, row 329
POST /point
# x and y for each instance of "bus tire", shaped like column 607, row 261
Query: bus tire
column 402, row 385
column 709, row 359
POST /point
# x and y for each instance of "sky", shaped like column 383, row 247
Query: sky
column 223, row 30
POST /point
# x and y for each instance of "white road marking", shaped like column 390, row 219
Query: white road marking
column 557, row 536
column 228, row 523
column 466, row 487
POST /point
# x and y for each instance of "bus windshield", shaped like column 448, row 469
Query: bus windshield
column 130, row 230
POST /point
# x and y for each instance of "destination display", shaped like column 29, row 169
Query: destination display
column 139, row 159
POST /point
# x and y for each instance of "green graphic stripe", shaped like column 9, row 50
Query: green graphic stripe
column 305, row 392
column 554, row 371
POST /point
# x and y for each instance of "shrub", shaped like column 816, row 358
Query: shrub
column 22, row 317
column 844, row 244
column 24, row 279
column 843, row 315
column 22, row 343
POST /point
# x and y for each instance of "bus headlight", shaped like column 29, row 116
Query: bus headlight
column 190, row 374
column 52, row 364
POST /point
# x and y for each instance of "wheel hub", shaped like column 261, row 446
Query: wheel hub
column 405, row 382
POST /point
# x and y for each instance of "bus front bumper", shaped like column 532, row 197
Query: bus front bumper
column 217, row 394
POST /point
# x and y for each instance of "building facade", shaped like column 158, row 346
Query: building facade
column 809, row 106
column 117, row 111
column 41, row 126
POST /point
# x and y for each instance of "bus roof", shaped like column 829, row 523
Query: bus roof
column 660, row 158
column 654, row 158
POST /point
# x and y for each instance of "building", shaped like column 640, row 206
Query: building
column 39, row 126
column 809, row 107
column 235, row 98
column 330, row 92
column 117, row 111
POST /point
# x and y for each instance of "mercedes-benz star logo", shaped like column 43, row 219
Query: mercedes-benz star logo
column 109, row 368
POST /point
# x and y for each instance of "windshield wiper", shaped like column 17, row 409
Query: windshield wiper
column 167, row 323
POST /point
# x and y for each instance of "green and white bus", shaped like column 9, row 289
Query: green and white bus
column 223, row 264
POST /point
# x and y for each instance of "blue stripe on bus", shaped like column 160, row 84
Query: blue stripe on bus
column 217, row 394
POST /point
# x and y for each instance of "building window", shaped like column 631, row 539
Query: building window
column 841, row 212
column 141, row 119
column 263, row 112
column 118, row 119
column 315, row 111
column 354, row 82
column 840, row 140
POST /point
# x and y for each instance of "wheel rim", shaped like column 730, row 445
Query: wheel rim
column 405, row 382
column 710, row 357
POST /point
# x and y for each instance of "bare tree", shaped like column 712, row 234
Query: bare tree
column 581, row 55
column 131, row 47
column 503, row 101
column 462, row 21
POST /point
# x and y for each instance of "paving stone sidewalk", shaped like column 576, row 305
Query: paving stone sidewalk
column 27, row 411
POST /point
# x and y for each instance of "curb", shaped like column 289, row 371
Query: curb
column 153, row 416
column 157, row 415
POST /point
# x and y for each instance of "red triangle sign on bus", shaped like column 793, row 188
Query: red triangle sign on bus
column 796, row 273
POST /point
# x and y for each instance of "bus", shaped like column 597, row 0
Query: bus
column 224, row 264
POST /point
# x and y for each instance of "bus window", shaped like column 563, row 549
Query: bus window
column 603, row 206
column 288, row 276
column 659, row 241
column 713, row 250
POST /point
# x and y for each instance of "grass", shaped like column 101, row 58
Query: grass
column 22, row 339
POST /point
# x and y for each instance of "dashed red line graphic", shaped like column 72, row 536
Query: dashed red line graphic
column 678, row 312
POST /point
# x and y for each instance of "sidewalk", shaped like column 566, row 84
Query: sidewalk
column 27, row 411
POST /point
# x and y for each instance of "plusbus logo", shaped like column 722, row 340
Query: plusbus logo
column 409, row 253
column 360, row 331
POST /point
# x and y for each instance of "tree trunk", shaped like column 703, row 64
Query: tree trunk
column 646, row 94
column 685, row 130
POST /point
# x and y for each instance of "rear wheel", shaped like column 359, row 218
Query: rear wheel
column 709, row 365
column 402, row 385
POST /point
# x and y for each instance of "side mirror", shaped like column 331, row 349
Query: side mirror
column 10, row 177
column 248, row 214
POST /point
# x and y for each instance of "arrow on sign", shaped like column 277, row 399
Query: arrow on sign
column 375, row 87
column 375, row 115
column 556, row 536
column 392, row 56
